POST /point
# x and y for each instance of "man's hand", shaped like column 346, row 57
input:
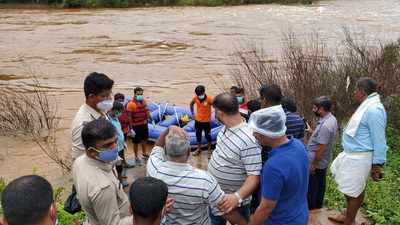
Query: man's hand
column 168, row 205
column 228, row 203
column 313, row 167
column 177, row 130
column 376, row 171
column 308, row 129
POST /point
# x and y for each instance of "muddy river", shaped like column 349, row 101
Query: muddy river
column 165, row 50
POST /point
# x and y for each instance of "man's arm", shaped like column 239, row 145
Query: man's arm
column 263, row 212
column 161, row 139
column 192, row 107
column 377, row 125
column 318, row 156
column 231, row 201
column 234, row 217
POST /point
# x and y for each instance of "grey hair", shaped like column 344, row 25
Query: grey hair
column 176, row 145
column 368, row 85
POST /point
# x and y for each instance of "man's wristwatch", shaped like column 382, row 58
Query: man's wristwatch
column 240, row 200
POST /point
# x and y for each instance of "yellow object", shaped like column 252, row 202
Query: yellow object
column 185, row 118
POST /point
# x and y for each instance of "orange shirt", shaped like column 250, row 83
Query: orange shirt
column 203, row 109
column 138, row 112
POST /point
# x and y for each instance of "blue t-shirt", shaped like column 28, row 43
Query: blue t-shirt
column 120, row 135
column 285, row 180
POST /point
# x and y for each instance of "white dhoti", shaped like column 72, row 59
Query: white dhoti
column 351, row 172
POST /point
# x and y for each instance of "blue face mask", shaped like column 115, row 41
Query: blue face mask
column 201, row 97
column 107, row 155
column 139, row 98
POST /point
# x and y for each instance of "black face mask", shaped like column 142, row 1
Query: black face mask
column 317, row 114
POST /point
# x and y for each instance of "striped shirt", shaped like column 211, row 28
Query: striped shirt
column 295, row 125
column 236, row 156
column 194, row 190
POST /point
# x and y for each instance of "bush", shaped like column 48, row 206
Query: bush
column 306, row 70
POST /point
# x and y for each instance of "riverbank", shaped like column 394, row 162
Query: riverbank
column 54, row 4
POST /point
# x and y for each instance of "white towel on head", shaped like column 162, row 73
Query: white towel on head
column 354, row 123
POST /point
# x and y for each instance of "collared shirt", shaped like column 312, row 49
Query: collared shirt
column 236, row 156
column 370, row 135
column 100, row 194
column 194, row 190
column 295, row 125
column 324, row 134
column 83, row 116
column 120, row 134
column 285, row 180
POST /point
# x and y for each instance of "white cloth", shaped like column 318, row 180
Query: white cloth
column 352, row 126
column 351, row 172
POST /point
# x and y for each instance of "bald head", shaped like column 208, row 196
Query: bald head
column 226, row 103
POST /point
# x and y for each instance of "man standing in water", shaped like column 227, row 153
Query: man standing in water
column 202, row 116
column 364, row 144
column 97, row 88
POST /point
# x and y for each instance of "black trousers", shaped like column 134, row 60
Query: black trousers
column 199, row 127
column 119, row 168
column 316, row 189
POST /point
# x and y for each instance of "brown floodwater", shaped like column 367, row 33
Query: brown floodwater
column 166, row 50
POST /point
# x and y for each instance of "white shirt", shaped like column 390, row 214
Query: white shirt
column 83, row 116
column 195, row 191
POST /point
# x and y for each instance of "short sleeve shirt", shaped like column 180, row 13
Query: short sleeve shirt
column 325, row 134
column 285, row 180
column 194, row 191
column 236, row 156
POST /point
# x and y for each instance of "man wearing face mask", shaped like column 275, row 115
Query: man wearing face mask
column 99, row 192
column 236, row 160
column 28, row 200
column 238, row 92
column 139, row 116
column 320, row 147
column 113, row 116
column 97, row 88
column 202, row 116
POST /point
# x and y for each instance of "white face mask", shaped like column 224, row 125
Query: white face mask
column 105, row 106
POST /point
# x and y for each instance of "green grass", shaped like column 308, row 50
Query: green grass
column 382, row 200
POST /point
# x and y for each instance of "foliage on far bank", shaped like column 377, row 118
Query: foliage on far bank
column 141, row 3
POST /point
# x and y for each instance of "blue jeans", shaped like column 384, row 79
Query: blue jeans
column 219, row 220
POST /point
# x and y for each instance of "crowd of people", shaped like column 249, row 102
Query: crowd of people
column 269, row 166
